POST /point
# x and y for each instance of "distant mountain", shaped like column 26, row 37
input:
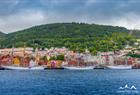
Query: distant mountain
column 135, row 33
column 2, row 34
column 76, row 36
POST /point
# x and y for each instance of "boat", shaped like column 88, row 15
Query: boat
column 16, row 66
column 23, row 68
column 66, row 66
column 78, row 67
column 78, row 57
column 113, row 66
column 120, row 67
column 33, row 65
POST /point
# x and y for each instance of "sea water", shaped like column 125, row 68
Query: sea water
column 69, row 82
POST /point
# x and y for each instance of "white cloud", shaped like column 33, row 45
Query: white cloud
column 20, row 21
column 129, row 20
column 30, row 18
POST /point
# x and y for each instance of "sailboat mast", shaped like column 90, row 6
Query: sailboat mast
column 24, row 53
column 126, row 61
column 24, row 49
column 12, row 51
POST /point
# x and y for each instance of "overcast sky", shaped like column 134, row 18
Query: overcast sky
column 19, row 14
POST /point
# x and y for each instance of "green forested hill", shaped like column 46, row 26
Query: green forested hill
column 76, row 36
column 2, row 35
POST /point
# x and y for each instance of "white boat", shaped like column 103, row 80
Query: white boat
column 78, row 67
column 120, row 67
column 23, row 68
column 113, row 66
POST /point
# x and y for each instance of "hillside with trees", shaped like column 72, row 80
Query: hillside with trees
column 75, row 36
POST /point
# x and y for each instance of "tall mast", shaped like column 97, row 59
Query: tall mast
column 12, row 51
column 24, row 53
column 24, row 48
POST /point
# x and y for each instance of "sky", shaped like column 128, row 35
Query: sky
column 20, row 14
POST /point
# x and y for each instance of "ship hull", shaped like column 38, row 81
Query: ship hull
column 119, row 67
column 23, row 68
column 78, row 68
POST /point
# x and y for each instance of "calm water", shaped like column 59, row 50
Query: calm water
column 65, row 82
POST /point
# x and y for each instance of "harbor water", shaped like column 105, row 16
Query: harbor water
column 69, row 82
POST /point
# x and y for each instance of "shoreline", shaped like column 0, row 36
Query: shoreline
column 73, row 70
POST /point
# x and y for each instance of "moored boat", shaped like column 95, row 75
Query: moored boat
column 122, row 66
column 16, row 63
column 23, row 68
column 119, row 67
column 78, row 67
